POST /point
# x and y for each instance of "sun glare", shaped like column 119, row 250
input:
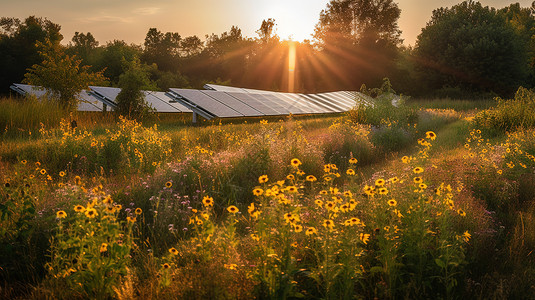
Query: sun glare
column 291, row 67
column 295, row 20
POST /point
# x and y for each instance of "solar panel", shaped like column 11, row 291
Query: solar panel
column 289, row 104
column 236, row 104
column 88, row 102
column 170, row 101
column 306, row 106
column 108, row 93
column 305, row 103
column 255, row 102
column 197, row 99
column 273, row 102
column 157, row 104
column 320, row 101
column 30, row 90
column 336, row 102
column 339, row 98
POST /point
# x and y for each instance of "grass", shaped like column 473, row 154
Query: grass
column 416, row 203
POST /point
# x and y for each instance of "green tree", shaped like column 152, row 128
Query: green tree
column 523, row 21
column 473, row 48
column 111, row 58
column 61, row 74
column 18, row 50
column 359, row 38
column 83, row 45
column 191, row 45
column 131, row 100
column 226, row 55
column 162, row 49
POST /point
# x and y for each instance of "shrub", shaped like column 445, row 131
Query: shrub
column 510, row 114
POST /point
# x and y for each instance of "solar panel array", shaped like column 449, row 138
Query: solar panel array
column 219, row 101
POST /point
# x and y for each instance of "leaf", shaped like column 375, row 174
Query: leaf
column 440, row 263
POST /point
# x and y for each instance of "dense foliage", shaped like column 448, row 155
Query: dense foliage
column 473, row 48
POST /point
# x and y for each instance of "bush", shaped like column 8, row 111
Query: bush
column 509, row 115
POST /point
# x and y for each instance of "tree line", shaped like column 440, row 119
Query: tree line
column 468, row 50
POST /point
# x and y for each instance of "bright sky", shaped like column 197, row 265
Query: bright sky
column 130, row 20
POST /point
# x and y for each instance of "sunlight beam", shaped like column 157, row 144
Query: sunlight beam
column 291, row 67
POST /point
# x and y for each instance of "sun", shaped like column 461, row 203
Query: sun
column 295, row 19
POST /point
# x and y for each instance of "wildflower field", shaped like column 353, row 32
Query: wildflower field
column 380, row 203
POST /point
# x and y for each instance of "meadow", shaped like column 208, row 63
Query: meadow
column 431, row 199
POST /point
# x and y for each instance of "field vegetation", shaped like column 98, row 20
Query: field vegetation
column 429, row 199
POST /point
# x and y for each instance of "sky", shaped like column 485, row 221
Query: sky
column 129, row 20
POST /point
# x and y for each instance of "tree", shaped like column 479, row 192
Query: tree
column 191, row 45
column 18, row 50
column 131, row 100
column 523, row 21
column 356, row 20
column 226, row 55
column 473, row 48
column 163, row 49
column 266, row 31
column 359, row 40
column 112, row 57
column 61, row 74
column 83, row 45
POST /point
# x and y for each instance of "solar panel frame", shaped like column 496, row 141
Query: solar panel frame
column 223, row 88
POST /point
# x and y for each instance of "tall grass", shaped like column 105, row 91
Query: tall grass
column 511, row 114
column 23, row 117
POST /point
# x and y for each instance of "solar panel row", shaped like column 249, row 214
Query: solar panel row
column 224, row 102
column 220, row 101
